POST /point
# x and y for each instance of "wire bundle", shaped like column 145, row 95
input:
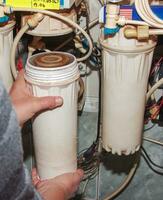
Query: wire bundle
column 153, row 110
column 89, row 161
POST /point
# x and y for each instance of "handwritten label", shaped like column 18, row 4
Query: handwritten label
column 38, row 4
column 46, row 4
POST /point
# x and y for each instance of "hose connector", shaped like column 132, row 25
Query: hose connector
column 141, row 32
column 112, row 15
column 121, row 21
column 8, row 9
column 35, row 20
column 3, row 17
column 111, row 31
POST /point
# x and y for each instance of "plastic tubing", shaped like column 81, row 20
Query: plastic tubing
column 135, row 22
column 145, row 12
column 155, row 31
column 122, row 21
column 91, row 24
column 60, row 17
column 124, row 184
column 153, row 141
column 154, row 88
column 150, row 92
column 13, row 50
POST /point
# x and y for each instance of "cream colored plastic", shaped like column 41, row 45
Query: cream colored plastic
column 6, row 40
column 126, row 66
column 112, row 11
column 55, row 131
column 140, row 33
column 50, row 26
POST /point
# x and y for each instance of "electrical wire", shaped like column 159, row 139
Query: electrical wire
column 88, row 159
column 63, row 44
column 153, row 107
column 153, row 111
column 151, row 161
column 99, row 107
column 154, row 88
column 150, row 92
column 85, row 186
column 156, row 67
column 98, row 183
column 152, row 165
column 95, row 59
column 147, row 129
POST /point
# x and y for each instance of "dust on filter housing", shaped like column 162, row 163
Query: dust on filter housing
column 126, row 66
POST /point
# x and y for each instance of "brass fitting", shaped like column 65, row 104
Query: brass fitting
column 141, row 32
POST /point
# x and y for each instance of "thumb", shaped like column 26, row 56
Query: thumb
column 43, row 103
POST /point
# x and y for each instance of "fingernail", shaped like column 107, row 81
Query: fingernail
column 59, row 101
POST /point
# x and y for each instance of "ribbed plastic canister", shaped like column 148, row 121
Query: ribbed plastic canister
column 126, row 67
column 51, row 26
column 55, row 131
column 6, row 40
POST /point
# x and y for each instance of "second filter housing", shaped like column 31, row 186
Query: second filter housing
column 126, row 67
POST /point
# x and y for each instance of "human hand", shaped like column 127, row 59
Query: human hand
column 61, row 187
column 25, row 104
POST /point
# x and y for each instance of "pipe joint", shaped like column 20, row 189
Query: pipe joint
column 35, row 20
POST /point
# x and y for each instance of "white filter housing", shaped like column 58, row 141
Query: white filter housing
column 126, row 67
column 55, row 131
column 6, row 40
column 50, row 26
